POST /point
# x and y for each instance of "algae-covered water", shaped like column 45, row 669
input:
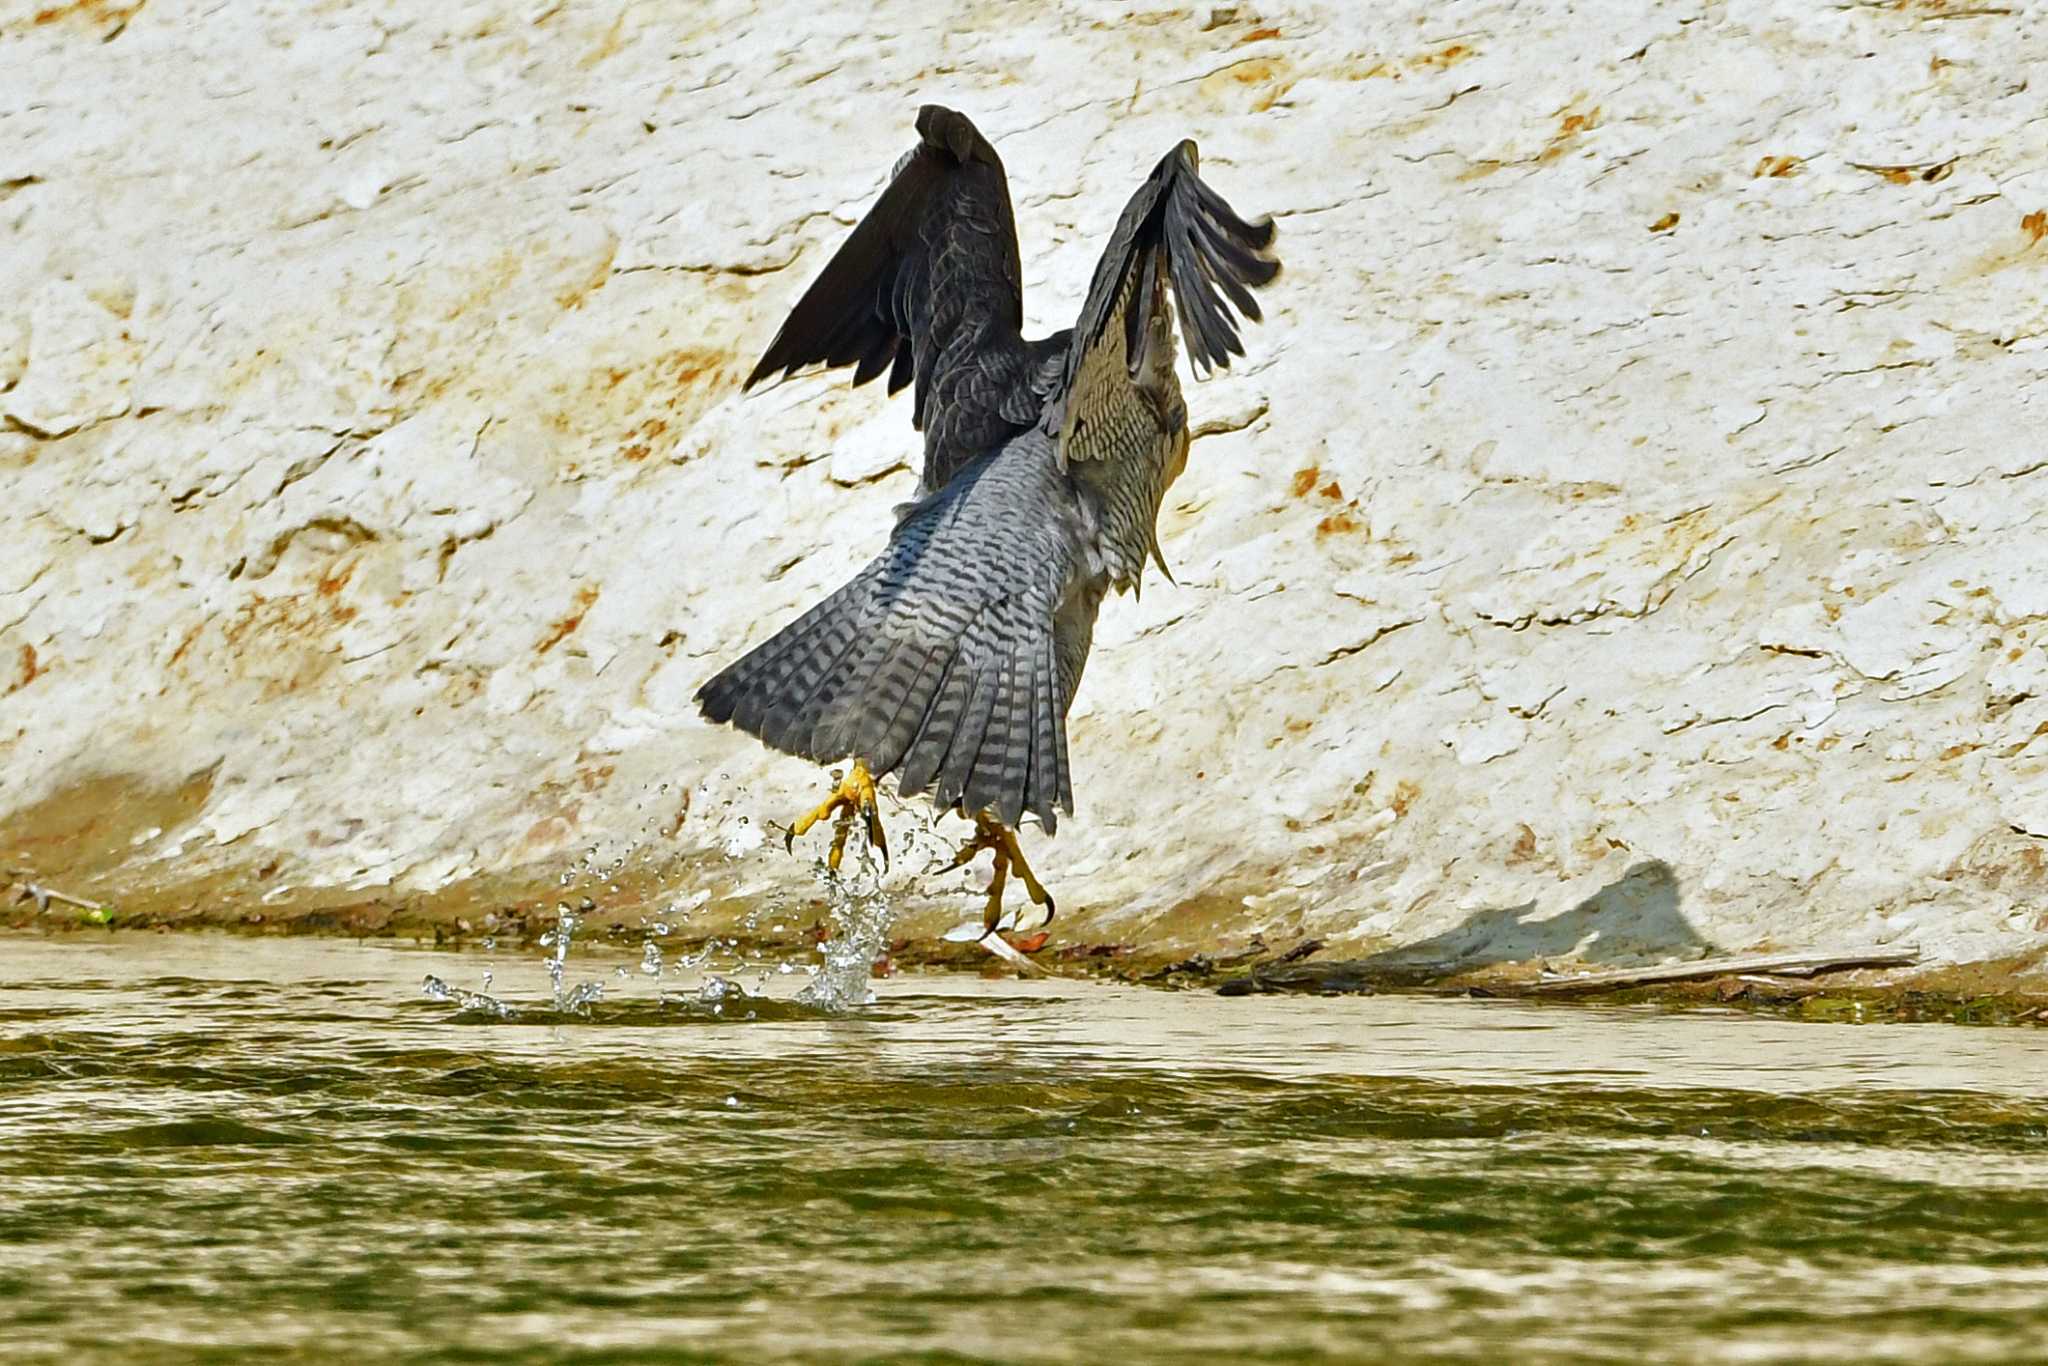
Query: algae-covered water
column 283, row 1150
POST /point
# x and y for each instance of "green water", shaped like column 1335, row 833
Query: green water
column 271, row 1150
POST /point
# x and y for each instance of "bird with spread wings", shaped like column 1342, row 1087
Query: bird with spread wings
column 951, row 659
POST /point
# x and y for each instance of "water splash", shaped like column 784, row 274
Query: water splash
column 466, row 1002
column 568, row 1000
column 861, row 917
column 580, row 999
column 839, row 970
column 558, row 940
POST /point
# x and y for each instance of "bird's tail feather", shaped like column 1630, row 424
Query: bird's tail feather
column 958, row 701
column 774, row 689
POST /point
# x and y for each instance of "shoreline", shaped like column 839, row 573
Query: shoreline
column 2011, row 992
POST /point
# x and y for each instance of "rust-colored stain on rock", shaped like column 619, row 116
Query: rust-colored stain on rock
column 1396, row 69
column 1569, row 128
column 1443, row 57
column 285, row 640
column 646, row 403
column 192, row 633
column 1265, row 78
column 586, row 598
column 88, row 11
column 331, row 584
column 27, row 670
column 1305, row 482
column 640, row 443
column 550, row 832
column 693, row 365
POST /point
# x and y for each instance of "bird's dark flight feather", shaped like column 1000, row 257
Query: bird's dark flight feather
column 928, row 287
column 1212, row 258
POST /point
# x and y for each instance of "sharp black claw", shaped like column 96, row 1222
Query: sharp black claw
column 875, row 836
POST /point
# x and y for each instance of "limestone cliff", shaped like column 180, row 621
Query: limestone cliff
column 1625, row 537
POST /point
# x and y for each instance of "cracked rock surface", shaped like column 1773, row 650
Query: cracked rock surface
column 1625, row 538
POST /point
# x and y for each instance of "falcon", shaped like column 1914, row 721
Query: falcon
column 952, row 659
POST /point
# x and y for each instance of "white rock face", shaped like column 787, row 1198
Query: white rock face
column 1625, row 537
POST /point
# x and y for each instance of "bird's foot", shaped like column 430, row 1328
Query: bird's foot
column 990, row 834
column 854, row 795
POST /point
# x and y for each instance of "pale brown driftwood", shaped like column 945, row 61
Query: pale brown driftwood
column 42, row 896
column 1780, row 964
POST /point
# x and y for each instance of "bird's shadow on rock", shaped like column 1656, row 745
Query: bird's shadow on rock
column 1636, row 918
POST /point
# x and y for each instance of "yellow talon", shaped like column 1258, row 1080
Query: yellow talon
column 990, row 834
column 855, row 794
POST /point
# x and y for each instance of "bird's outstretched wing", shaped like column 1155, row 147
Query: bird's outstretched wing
column 928, row 287
column 1175, row 232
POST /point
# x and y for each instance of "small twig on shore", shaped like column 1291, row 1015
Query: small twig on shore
column 1299, row 952
column 1780, row 964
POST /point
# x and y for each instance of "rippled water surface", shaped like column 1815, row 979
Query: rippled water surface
column 235, row 1149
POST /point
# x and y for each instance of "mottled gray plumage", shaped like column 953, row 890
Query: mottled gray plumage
column 952, row 659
